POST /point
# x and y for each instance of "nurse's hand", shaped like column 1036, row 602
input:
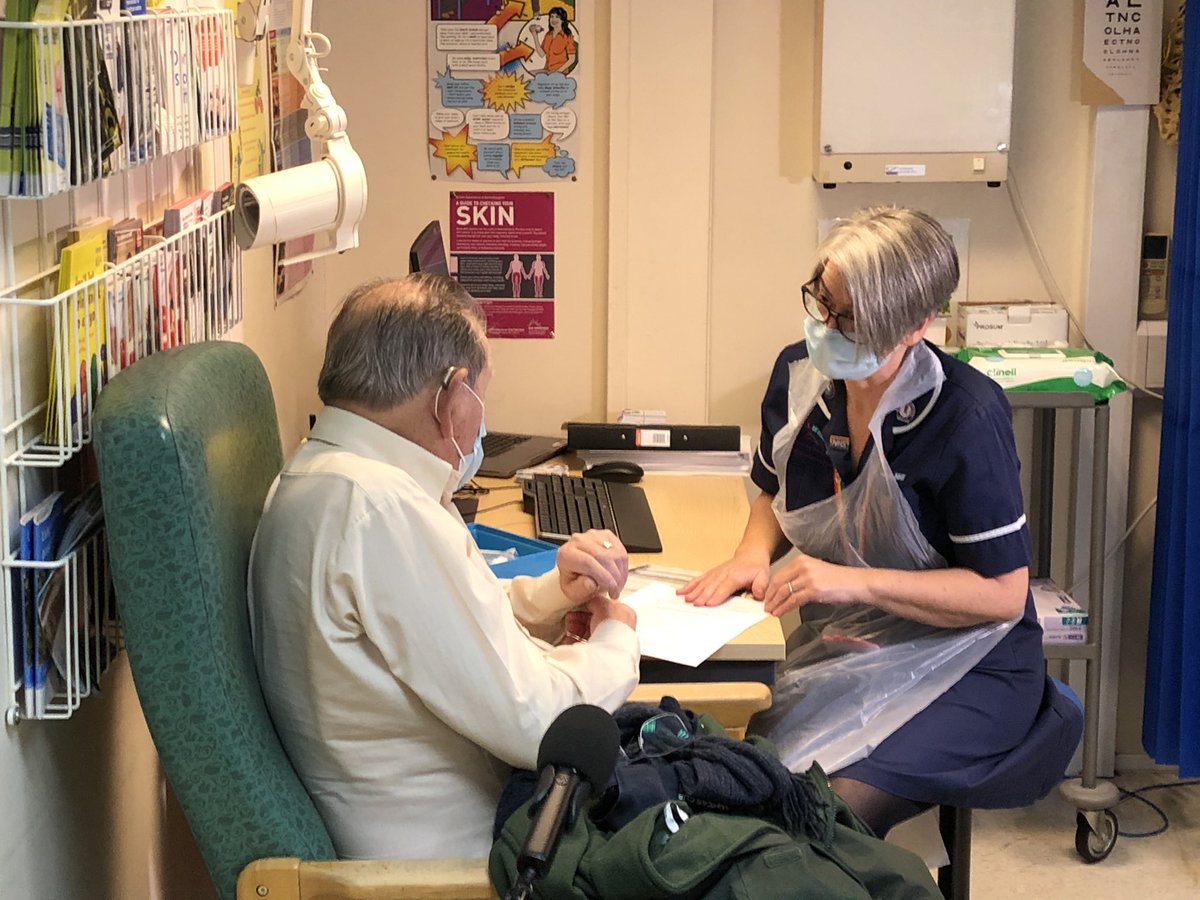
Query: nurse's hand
column 717, row 585
column 807, row 580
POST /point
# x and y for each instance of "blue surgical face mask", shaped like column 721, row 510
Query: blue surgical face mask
column 835, row 356
column 469, row 463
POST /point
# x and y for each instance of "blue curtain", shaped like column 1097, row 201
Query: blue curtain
column 1171, row 726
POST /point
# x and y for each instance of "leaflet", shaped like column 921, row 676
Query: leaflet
column 671, row 629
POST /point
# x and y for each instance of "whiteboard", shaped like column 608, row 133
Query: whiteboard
column 912, row 76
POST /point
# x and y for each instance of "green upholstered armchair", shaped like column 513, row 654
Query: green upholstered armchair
column 188, row 445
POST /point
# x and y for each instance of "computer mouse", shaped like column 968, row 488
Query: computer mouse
column 617, row 470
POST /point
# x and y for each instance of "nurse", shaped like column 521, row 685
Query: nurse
column 891, row 468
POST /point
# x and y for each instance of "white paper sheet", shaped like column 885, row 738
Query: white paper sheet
column 679, row 632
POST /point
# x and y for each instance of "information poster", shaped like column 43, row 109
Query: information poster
column 503, row 84
column 290, row 145
column 251, row 150
column 502, row 251
column 1122, row 49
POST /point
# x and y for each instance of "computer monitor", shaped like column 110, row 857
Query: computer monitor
column 428, row 251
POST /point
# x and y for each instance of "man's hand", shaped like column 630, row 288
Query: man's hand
column 602, row 608
column 592, row 565
column 718, row 584
column 577, row 626
column 580, row 623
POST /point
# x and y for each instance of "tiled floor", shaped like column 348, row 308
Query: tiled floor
column 1031, row 852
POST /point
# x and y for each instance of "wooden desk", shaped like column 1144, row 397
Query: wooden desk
column 700, row 519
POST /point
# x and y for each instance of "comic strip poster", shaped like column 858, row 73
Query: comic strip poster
column 502, row 251
column 503, row 83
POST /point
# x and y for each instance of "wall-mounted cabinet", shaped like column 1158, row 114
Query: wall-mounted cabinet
column 914, row 90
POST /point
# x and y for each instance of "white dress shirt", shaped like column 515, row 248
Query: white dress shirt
column 401, row 676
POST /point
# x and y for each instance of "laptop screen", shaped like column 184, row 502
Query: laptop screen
column 428, row 252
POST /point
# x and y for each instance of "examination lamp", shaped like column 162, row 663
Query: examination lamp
column 326, row 198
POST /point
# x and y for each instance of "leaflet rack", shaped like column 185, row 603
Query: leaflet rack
column 100, row 98
column 180, row 289
column 1096, row 822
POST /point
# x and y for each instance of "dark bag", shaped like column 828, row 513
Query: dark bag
column 712, row 818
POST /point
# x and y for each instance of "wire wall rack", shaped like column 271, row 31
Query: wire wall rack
column 83, row 101
column 177, row 290
column 95, row 97
column 66, row 628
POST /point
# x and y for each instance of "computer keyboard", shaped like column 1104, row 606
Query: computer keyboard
column 496, row 442
column 563, row 505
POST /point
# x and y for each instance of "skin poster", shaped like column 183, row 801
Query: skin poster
column 503, row 84
column 502, row 251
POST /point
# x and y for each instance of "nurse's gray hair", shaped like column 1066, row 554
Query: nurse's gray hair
column 392, row 337
column 898, row 267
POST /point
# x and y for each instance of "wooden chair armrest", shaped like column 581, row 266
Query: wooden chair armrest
column 288, row 878
column 731, row 703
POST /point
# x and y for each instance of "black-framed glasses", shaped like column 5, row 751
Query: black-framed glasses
column 819, row 309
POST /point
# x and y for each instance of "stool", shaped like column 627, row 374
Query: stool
column 954, row 878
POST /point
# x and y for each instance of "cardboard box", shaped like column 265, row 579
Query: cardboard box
column 1063, row 620
column 1013, row 324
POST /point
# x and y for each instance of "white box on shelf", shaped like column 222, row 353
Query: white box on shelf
column 1150, row 354
column 1063, row 620
column 939, row 331
column 1012, row 324
column 642, row 417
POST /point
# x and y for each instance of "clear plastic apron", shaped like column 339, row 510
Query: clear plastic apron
column 855, row 674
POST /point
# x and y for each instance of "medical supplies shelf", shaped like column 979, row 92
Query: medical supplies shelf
column 1095, row 823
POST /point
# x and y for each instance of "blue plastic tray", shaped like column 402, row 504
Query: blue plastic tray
column 533, row 556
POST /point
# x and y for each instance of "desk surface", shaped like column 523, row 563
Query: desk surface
column 700, row 519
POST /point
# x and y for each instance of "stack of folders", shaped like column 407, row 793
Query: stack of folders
column 685, row 449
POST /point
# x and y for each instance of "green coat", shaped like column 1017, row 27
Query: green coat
column 713, row 855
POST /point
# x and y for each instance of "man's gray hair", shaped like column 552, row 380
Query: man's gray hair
column 392, row 337
column 898, row 267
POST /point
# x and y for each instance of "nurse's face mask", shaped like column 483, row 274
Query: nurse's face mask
column 830, row 337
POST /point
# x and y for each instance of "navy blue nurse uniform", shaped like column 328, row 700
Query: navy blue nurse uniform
column 1002, row 735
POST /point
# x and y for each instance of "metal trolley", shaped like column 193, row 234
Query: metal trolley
column 1095, row 820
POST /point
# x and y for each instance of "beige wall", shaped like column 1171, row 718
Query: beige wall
column 697, row 292
column 710, row 240
column 756, row 107
column 383, row 93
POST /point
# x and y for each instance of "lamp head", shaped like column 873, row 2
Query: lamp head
column 326, row 198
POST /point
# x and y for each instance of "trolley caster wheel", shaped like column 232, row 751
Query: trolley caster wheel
column 1095, row 834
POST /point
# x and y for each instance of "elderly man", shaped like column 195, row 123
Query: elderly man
column 404, row 679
